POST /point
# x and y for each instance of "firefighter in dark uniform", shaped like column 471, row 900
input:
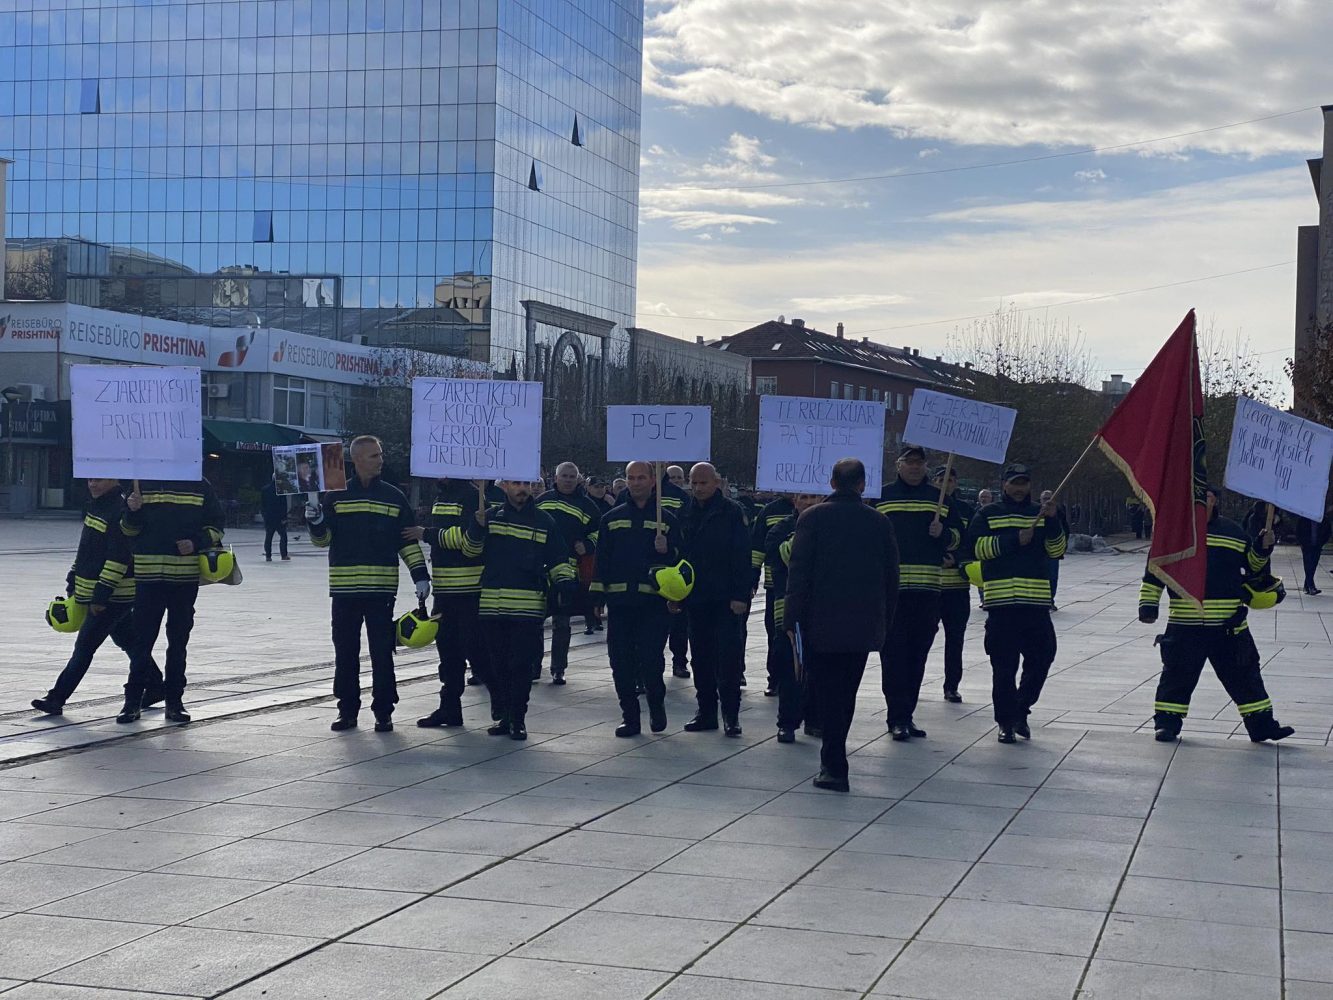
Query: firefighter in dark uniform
column 926, row 531
column 1013, row 539
column 674, row 501
column 367, row 529
column 630, row 544
column 717, row 545
column 456, row 582
column 955, row 590
column 169, row 524
column 761, row 524
column 793, row 694
column 102, row 582
column 576, row 516
column 1238, row 570
column 523, row 556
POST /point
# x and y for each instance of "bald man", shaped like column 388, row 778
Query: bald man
column 717, row 545
column 576, row 516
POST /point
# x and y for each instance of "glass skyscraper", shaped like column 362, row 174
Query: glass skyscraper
column 456, row 176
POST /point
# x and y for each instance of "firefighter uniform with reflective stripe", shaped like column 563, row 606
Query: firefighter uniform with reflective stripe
column 956, row 600
column 456, row 583
column 1016, row 592
column 523, row 556
column 637, row 616
column 1217, row 633
column 781, row 658
column 675, row 501
column 102, row 576
column 577, row 517
column 167, row 581
column 765, row 521
column 911, row 510
column 362, row 527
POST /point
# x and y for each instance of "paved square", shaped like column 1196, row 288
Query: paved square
column 256, row 854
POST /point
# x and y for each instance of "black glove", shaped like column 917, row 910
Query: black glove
column 1147, row 613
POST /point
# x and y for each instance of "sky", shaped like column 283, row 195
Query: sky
column 747, row 102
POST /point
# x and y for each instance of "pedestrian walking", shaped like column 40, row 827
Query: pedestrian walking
column 523, row 556
column 576, row 516
column 273, row 510
column 1014, row 539
column 1313, row 536
column 632, row 542
column 717, row 546
column 367, row 528
column 1218, row 633
column 955, row 588
column 926, row 530
column 169, row 524
column 100, row 587
column 842, row 590
column 794, row 697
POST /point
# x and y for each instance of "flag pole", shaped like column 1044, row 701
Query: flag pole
column 1070, row 474
column 944, row 484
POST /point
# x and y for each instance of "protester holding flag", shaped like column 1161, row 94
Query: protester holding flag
column 367, row 529
column 926, row 530
column 955, row 588
column 1013, row 540
column 1217, row 632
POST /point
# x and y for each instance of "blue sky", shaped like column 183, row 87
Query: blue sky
column 744, row 94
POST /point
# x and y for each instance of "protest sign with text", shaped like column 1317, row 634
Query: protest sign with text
column 137, row 422
column 476, row 428
column 801, row 438
column 959, row 426
column 1280, row 458
column 659, row 433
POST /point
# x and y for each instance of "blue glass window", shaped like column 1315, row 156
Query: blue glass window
column 263, row 227
column 90, row 98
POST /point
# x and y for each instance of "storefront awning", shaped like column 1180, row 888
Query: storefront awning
column 247, row 435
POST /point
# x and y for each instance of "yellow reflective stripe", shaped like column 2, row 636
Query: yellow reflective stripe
column 471, row 547
column 129, row 530
column 96, row 523
column 1255, row 706
column 411, row 553
column 518, row 531
column 321, row 541
column 83, row 588
column 1055, row 548
column 562, row 571
column 619, row 525
column 671, row 503
column 1226, row 542
column 908, row 507
column 953, row 579
column 553, row 505
column 596, row 587
column 1256, row 560
column 183, row 499
column 987, row 548
column 756, row 558
column 920, row 575
column 1171, row 708
column 365, row 507
column 447, row 509
column 1013, row 521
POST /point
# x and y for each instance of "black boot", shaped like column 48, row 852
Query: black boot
column 130, row 711
column 1262, row 727
column 501, row 728
column 343, row 723
column 1006, row 735
column 657, row 718
column 731, row 723
column 175, row 711
column 627, row 729
column 558, row 679
column 152, row 696
column 384, row 723
column 700, row 724
column 50, row 705
column 517, row 729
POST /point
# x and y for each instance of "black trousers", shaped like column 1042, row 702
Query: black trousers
column 272, row 528
column 718, row 644
column 955, row 611
column 837, row 678
column 679, row 639
column 1310, row 558
column 902, row 661
column 636, row 637
column 743, row 623
column 458, row 642
column 1014, row 636
column 376, row 612
column 770, row 628
column 512, row 646
column 115, row 623
column 782, row 674
column 1235, row 660
column 561, row 631
column 153, row 602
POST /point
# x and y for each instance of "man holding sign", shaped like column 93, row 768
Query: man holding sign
column 927, row 529
column 367, row 529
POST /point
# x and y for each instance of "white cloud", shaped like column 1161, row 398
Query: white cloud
column 701, row 196
column 689, row 219
column 925, row 154
column 1094, row 176
column 1036, row 254
column 1051, row 72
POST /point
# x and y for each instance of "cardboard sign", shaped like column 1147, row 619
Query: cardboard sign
column 659, row 433
column 132, row 422
column 800, row 439
column 476, row 429
column 309, row 468
column 1280, row 458
column 961, row 426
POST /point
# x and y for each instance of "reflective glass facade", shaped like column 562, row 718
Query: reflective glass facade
column 460, row 176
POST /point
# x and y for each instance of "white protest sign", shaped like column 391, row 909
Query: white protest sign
column 1280, row 458
column 137, row 422
column 476, row 428
column 659, row 433
column 960, row 426
column 800, row 439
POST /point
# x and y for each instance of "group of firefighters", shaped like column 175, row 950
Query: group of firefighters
column 674, row 568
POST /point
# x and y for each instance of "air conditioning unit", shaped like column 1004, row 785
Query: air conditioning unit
column 31, row 392
column 218, row 391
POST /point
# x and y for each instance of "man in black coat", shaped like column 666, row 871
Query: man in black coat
column 717, row 545
column 273, row 506
column 842, row 589
column 1312, row 536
